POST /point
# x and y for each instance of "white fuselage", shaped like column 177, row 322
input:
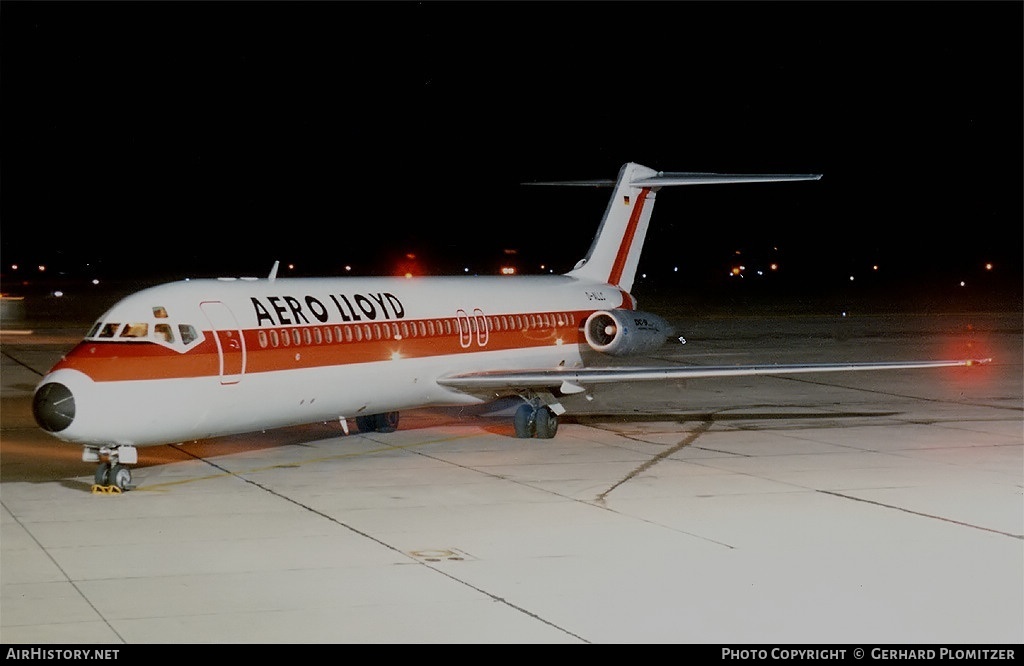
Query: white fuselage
column 273, row 353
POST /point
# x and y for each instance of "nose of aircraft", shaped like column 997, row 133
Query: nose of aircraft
column 53, row 407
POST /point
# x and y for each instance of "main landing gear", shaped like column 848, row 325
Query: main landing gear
column 112, row 475
column 386, row 422
column 534, row 419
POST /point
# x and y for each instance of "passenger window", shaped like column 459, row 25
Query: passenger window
column 366, row 331
column 274, row 341
column 166, row 333
column 318, row 336
column 286, row 340
column 296, row 337
column 359, row 334
column 348, row 334
column 307, row 336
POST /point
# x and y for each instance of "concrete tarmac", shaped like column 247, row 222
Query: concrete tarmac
column 868, row 507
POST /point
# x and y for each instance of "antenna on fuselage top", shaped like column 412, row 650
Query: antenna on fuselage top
column 273, row 271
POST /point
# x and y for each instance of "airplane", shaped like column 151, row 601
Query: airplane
column 203, row 358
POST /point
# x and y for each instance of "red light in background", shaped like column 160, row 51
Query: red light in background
column 969, row 344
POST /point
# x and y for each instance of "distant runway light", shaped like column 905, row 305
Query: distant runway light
column 95, row 281
column 962, row 283
column 58, row 293
column 988, row 266
column 851, row 278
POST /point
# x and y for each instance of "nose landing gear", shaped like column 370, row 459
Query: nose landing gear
column 112, row 476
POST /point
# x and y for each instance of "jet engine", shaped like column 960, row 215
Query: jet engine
column 625, row 332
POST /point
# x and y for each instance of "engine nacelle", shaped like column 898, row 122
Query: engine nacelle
column 624, row 332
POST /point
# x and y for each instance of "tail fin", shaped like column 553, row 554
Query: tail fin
column 615, row 252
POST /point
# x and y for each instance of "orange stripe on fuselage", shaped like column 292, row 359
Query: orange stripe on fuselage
column 106, row 361
column 627, row 239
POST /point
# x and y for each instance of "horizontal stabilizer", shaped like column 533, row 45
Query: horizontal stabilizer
column 662, row 179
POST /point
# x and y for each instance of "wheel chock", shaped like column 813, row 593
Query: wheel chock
column 97, row 489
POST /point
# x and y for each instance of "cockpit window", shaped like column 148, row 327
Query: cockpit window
column 137, row 330
column 188, row 333
column 164, row 332
column 109, row 330
column 160, row 312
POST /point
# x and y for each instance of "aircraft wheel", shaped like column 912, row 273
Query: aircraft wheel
column 523, row 421
column 387, row 422
column 546, row 423
column 102, row 474
column 120, row 476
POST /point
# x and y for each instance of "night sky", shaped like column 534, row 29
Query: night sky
column 188, row 139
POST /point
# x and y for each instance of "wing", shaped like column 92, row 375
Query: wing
column 574, row 380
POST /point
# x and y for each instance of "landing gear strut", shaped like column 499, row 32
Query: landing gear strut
column 112, row 475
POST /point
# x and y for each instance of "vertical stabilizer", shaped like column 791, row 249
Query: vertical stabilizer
column 615, row 252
